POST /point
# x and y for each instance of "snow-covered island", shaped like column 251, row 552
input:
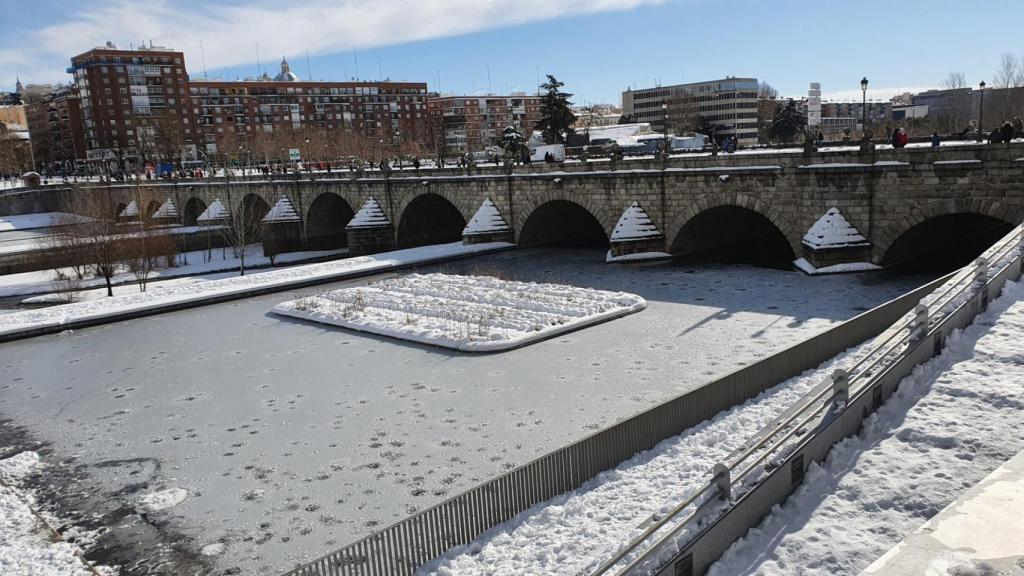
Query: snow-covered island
column 469, row 313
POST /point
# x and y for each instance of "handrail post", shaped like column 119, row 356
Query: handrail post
column 981, row 270
column 721, row 480
column 919, row 326
column 840, row 386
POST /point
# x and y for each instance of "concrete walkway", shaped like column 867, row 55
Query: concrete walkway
column 981, row 533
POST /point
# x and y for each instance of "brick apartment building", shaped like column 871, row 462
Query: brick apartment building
column 141, row 106
column 57, row 130
column 248, row 114
column 132, row 102
column 469, row 123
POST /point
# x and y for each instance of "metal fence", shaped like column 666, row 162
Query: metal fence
column 400, row 549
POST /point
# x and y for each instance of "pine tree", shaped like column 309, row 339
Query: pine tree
column 556, row 118
column 787, row 124
column 513, row 142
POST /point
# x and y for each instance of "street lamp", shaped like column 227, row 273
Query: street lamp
column 981, row 110
column 308, row 158
column 664, row 123
column 864, row 106
column 398, row 147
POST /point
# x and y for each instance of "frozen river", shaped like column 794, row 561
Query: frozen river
column 293, row 438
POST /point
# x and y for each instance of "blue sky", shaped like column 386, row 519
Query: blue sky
column 597, row 47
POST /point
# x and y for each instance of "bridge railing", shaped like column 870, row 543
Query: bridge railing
column 742, row 489
column 401, row 548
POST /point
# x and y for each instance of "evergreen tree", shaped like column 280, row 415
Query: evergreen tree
column 556, row 118
column 787, row 124
column 513, row 142
column 627, row 119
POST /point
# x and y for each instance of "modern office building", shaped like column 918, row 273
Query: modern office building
column 729, row 104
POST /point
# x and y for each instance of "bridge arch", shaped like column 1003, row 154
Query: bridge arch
column 325, row 222
column 193, row 208
column 429, row 218
column 151, row 207
column 118, row 209
column 561, row 221
column 730, row 224
column 944, row 234
column 253, row 208
column 556, row 217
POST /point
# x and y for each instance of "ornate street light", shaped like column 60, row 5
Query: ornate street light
column 864, row 106
column 981, row 110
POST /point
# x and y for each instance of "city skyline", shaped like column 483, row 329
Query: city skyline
column 490, row 48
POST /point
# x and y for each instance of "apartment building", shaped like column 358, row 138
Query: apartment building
column 131, row 100
column 57, row 131
column 730, row 104
column 464, row 124
column 240, row 111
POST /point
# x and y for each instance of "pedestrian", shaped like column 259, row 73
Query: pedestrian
column 904, row 138
column 894, row 139
column 1018, row 127
column 996, row 136
column 936, row 140
column 1007, row 131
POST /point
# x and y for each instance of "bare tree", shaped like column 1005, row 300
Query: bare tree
column 1009, row 73
column 953, row 81
column 104, row 248
column 242, row 227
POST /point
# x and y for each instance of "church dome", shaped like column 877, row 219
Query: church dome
column 286, row 74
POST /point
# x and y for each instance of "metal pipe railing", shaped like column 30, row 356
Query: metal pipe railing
column 883, row 348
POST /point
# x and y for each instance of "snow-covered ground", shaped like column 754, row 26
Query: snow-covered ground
column 575, row 532
column 159, row 296
column 37, row 220
column 27, row 546
column 293, row 439
column 469, row 313
column 221, row 260
column 950, row 423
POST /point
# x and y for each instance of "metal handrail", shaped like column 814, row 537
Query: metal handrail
column 770, row 444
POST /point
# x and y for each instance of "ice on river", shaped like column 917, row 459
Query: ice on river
column 294, row 438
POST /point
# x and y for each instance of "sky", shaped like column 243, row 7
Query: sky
column 597, row 47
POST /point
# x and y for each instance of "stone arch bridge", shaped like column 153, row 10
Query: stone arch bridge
column 900, row 201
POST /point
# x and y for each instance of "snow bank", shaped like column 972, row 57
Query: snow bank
column 38, row 220
column 25, row 545
column 486, row 220
column 833, row 230
column 576, row 531
column 951, row 422
column 470, row 313
column 283, row 211
column 809, row 268
column 637, row 256
column 158, row 297
column 634, row 224
column 163, row 499
column 370, row 215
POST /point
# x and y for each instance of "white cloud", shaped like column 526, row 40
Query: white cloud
column 229, row 31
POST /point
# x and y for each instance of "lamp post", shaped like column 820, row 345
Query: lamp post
column 664, row 131
column 981, row 111
column 308, row 159
column 864, row 107
column 397, row 147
